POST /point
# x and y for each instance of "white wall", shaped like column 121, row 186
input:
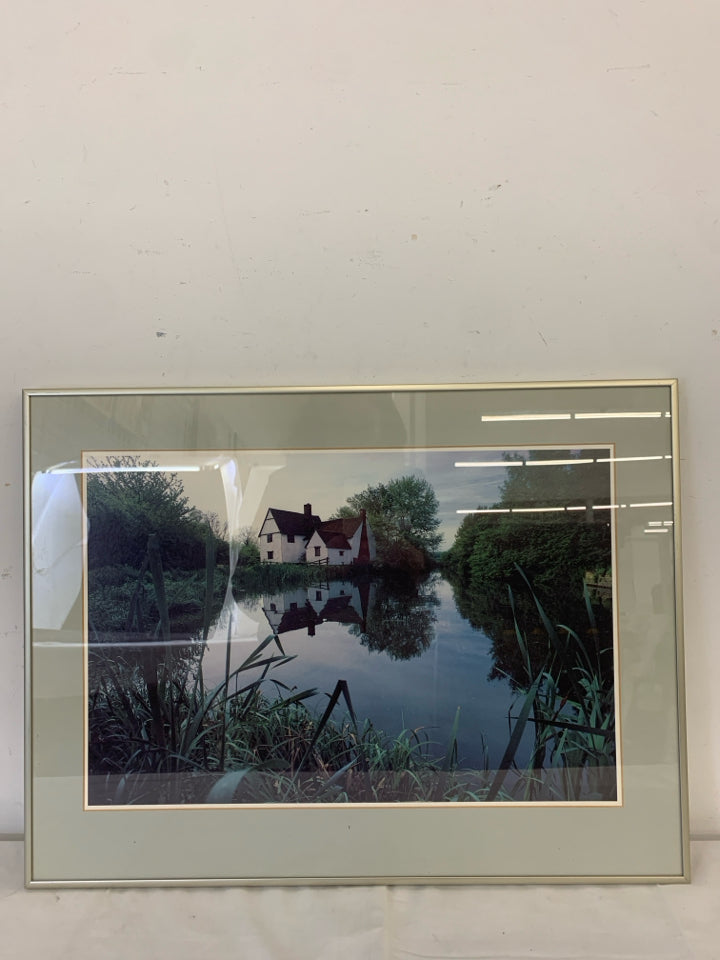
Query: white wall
column 265, row 192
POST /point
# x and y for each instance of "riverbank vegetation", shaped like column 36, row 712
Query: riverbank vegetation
column 529, row 536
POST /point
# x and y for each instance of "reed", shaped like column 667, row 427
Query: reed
column 569, row 700
column 246, row 747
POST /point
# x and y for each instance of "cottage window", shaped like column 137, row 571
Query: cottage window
column 318, row 594
column 269, row 538
column 270, row 554
column 293, row 606
column 291, row 538
column 342, row 553
column 273, row 607
column 317, row 551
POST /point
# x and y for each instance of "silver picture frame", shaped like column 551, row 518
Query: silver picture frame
column 96, row 816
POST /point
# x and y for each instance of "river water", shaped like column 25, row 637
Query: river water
column 409, row 658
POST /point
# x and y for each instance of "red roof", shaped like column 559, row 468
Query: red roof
column 336, row 541
column 344, row 525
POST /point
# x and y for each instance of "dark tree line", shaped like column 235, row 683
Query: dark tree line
column 128, row 504
column 554, row 550
column 550, row 547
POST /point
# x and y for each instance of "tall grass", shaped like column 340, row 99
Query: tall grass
column 248, row 746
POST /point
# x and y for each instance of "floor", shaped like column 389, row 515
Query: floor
column 672, row 922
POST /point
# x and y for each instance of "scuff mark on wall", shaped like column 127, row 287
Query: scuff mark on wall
column 641, row 66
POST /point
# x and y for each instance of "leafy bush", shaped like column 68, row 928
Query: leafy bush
column 491, row 550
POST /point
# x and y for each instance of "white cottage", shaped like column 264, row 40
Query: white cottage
column 342, row 541
column 290, row 537
column 284, row 535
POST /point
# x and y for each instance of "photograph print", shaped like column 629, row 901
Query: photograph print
column 395, row 626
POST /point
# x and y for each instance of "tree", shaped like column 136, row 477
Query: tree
column 127, row 500
column 403, row 516
column 583, row 482
column 245, row 542
column 551, row 547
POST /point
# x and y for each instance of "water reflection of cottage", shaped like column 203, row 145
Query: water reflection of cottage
column 287, row 536
column 306, row 608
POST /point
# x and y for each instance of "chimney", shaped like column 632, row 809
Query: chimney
column 308, row 510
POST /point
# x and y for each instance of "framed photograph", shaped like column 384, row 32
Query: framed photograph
column 355, row 635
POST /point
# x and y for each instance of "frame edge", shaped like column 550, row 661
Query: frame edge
column 27, row 609
column 680, row 640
